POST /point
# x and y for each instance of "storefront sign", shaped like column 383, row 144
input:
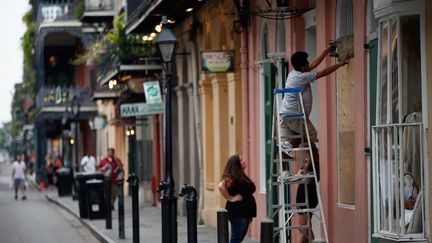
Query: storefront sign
column 141, row 109
column 152, row 92
column 217, row 61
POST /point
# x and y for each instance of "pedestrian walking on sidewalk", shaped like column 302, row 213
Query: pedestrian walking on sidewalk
column 238, row 190
column 111, row 165
column 88, row 163
column 19, row 176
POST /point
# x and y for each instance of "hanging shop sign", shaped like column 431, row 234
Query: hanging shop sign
column 217, row 61
column 152, row 92
column 141, row 109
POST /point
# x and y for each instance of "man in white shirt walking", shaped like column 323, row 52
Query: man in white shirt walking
column 88, row 163
column 19, row 176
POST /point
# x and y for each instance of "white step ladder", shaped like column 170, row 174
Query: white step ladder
column 284, row 182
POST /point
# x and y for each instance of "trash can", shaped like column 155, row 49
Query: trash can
column 95, row 199
column 64, row 181
column 81, row 178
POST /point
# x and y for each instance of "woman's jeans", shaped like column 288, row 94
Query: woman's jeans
column 239, row 227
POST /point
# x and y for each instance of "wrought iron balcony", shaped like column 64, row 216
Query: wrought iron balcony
column 144, row 15
column 98, row 11
column 61, row 96
column 105, row 92
column 50, row 12
column 128, row 57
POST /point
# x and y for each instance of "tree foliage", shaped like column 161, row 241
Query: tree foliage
column 118, row 44
column 22, row 106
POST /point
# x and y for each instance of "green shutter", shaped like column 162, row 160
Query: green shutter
column 373, row 65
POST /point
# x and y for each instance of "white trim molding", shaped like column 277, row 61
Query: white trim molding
column 384, row 8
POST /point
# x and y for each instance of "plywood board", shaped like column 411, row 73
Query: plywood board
column 346, row 133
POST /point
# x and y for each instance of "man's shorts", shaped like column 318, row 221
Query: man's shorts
column 18, row 183
column 291, row 127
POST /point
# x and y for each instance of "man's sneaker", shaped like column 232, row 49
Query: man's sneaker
column 286, row 148
column 16, row 197
column 24, row 198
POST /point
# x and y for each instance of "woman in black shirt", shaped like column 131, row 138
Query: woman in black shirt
column 238, row 189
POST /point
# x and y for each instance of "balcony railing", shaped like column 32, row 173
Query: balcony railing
column 127, row 54
column 56, row 11
column 135, row 8
column 98, row 5
column 98, row 11
column 61, row 96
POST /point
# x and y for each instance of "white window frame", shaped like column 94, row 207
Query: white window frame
column 404, row 9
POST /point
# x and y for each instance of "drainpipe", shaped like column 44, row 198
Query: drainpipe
column 245, row 92
column 156, row 158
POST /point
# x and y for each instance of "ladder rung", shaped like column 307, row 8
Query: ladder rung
column 291, row 115
column 289, row 137
column 299, row 149
column 304, row 210
column 290, row 179
column 297, row 227
column 294, row 177
column 276, row 160
column 278, row 206
column 291, row 227
column 290, row 182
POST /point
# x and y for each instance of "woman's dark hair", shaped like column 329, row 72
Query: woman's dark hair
column 233, row 170
column 299, row 60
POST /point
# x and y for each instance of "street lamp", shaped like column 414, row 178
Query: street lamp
column 167, row 45
column 75, row 109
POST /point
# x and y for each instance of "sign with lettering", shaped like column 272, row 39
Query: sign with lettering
column 152, row 92
column 141, row 109
column 217, row 61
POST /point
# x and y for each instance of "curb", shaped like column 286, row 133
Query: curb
column 96, row 233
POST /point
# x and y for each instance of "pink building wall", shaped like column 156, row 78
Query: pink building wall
column 344, row 225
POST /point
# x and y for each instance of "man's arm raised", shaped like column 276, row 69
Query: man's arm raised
column 320, row 58
column 328, row 70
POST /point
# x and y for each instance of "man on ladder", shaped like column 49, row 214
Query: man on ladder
column 302, row 76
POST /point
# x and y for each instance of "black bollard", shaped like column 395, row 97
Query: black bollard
column 266, row 231
column 121, row 222
column 222, row 226
column 191, row 208
column 108, row 203
column 133, row 183
column 163, row 190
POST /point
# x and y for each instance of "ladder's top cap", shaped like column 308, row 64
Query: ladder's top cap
column 287, row 90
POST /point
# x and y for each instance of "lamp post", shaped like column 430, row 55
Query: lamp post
column 75, row 109
column 167, row 45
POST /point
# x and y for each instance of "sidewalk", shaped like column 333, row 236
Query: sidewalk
column 150, row 223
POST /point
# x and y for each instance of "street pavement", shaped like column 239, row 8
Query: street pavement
column 46, row 217
column 36, row 220
column 149, row 223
